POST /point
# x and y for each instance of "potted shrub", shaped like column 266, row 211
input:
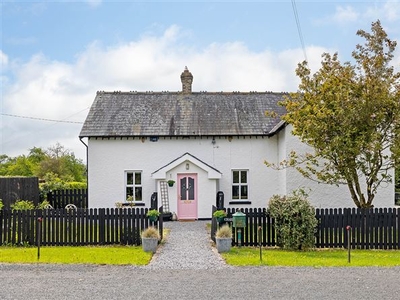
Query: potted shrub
column 153, row 215
column 171, row 182
column 150, row 237
column 223, row 238
column 129, row 200
column 219, row 215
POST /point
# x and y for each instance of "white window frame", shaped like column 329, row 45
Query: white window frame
column 133, row 185
column 240, row 184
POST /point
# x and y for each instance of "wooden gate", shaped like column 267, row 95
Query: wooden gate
column 19, row 188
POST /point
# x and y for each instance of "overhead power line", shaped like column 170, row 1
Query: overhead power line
column 296, row 16
column 41, row 119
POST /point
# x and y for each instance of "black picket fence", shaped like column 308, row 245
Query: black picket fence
column 80, row 227
column 377, row 228
column 61, row 198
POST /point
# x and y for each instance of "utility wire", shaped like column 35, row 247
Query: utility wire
column 41, row 119
column 49, row 120
column 296, row 16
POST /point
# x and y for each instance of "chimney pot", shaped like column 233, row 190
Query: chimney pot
column 187, row 80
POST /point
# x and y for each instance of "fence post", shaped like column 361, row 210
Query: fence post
column 213, row 223
column 348, row 228
column 39, row 235
column 161, row 222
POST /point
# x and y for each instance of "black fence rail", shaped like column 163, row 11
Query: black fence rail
column 61, row 198
column 80, row 227
column 377, row 228
column 249, row 236
column 370, row 228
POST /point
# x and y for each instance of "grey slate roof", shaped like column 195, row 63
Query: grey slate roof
column 137, row 114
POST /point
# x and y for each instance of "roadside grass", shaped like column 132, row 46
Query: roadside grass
column 102, row 255
column 247, row 256
column 108, row 255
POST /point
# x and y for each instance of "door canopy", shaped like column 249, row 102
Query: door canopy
column 187, row 157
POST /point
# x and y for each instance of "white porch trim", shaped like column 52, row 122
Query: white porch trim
column 187, row 157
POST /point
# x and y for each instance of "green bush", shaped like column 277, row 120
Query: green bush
column 22, row 205
column 295, row 220
column 1, row 204
column 75, row 185
column 51, row 182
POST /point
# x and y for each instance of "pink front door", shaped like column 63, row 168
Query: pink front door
column 187, row 196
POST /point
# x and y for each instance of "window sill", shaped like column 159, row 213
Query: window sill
column 239, row 202
column 136, row 204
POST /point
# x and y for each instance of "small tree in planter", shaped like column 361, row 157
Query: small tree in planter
column 153, row 215
column 150, row 237
column 223, row 238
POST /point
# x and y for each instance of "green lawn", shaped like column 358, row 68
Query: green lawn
column 246, row 256
column 112, row 255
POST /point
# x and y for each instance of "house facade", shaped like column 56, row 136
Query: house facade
column 205, row 142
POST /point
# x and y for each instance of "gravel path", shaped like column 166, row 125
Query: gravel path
column 188, row 246
column 187, row 267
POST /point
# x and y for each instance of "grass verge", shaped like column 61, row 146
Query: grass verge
column 109, row 255
column 317, row 258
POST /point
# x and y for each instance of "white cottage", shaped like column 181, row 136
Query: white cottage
column 204, row 142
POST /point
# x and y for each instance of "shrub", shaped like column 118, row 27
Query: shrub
column 22, row 205
column 295, row 220
column 151, row 232
column 224, row 232
column 153, row 213
column 74, row 185
column 219, row 213
column 43, row 205
column 1, row 204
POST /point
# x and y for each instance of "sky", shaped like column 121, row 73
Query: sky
column 55, row 55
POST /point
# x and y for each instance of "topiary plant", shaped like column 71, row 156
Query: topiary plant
column 295, row 220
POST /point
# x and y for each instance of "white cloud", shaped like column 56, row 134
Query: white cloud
column 388, row 11
column 57, row 90
column 3, row 60
column 94, row 3
column 345, row 14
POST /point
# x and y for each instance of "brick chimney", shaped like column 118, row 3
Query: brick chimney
column 187, row 79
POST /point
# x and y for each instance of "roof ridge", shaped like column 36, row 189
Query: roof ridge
column 179, row 92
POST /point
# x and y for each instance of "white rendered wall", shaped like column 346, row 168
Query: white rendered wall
column 109, row 159
column 324, row 195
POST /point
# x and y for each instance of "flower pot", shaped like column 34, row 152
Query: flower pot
column 149, row 244
column 223, row 244
column 220, row 219
column 170, row 184
column 153, row 218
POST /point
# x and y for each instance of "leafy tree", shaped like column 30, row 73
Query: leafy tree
column 20, row 166
column 350, row 115
column 55, row 160
column 63, row 163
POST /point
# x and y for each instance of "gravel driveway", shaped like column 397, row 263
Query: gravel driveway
column 187, row 267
